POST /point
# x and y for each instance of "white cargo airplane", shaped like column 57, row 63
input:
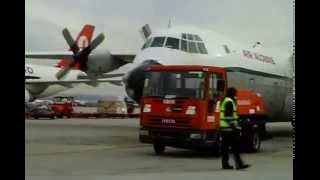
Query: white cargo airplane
column 250, row 67
column 43, row 81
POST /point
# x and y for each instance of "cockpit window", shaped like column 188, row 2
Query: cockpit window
column 197, row 38
column 190, row 37
column 172, row 43
column 191, row 43
column 184, row 36
column 158, row 42
column 184, row 46
column 192, row 47
column 202, row 48
column 147, row 44
column 194, row 37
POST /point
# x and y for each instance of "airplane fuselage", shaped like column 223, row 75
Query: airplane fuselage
column 47, row 74
column 248, row 68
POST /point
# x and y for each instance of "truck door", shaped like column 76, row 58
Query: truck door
column 215, row 92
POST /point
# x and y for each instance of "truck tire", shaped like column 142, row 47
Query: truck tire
column 255, row 141
column 158, row 148
column 252, row 140
column 216, row 150
column 263, row 132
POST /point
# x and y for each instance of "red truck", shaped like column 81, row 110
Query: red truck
column 63, row 106
column 180, row 108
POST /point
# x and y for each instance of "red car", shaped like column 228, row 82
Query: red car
column 63, row 106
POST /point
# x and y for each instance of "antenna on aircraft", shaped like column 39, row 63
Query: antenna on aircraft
column 145, row 31
column 171, row 19
column 257, row 44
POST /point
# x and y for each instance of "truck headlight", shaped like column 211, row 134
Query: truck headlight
column 144, row 132
column 147, row 108
column 191, row 110
column 195, row 136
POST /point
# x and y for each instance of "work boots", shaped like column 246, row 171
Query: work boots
column 227, row 166
column 239, row 163
column 242, row 166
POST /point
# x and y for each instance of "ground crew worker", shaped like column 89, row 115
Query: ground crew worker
column 230, row 130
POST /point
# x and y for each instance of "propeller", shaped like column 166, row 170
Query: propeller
column 79, row 56
column 67, row 36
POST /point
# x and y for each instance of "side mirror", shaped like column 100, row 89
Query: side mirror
column 221, row 85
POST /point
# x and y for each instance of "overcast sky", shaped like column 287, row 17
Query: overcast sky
column 268, row 21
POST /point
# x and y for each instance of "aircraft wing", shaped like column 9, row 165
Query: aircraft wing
column 49, row 55
column 69, row 55
column 103, row 76
column 124, row 57
column 117, row 82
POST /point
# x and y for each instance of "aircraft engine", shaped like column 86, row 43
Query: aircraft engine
column 80, row 56
column 134, row 80
column 100, row 62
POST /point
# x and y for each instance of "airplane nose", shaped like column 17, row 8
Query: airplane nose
column 134, row 79
column 125, row 78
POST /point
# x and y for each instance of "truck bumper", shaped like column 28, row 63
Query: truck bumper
column 189, row 139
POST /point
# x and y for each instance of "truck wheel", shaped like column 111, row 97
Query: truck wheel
column 216, row 150
column 158, row 148
column 254, row 141
column 263, row 132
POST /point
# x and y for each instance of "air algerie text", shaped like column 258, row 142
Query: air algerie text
column 258, row 57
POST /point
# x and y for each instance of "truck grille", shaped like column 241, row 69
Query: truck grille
column 177, row 135
column 170, row 122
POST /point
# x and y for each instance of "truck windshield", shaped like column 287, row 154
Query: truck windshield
column 175, row 84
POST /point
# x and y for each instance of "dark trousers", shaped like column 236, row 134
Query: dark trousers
column 230, row 139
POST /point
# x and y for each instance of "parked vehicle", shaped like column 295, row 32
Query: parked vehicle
column 63, row 106
column 42, row 111
column 181, row 108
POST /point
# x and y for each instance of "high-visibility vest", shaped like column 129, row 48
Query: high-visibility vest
column 226, row 120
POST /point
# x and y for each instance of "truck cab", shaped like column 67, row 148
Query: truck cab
column 180, row 108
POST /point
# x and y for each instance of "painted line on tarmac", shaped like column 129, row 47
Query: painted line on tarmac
column 85, row 150
column 81, row 150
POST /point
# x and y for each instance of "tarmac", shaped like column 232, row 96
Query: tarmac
column 109, row 149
